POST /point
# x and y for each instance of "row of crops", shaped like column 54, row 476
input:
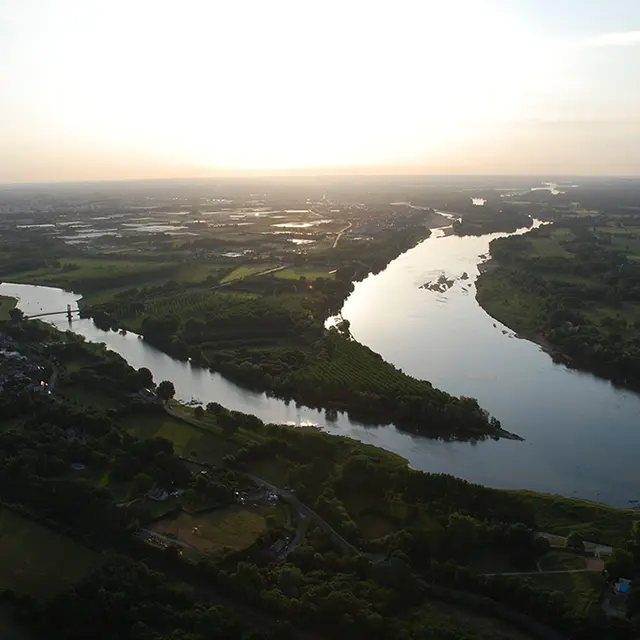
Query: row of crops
column 183, row 305
column 350, row 365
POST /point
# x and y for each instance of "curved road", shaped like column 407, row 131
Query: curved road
column 305, row 511
column 335, row 242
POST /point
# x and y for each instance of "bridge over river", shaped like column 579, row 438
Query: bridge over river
column 68, row 312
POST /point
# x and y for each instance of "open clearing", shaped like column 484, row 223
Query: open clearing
column 87, row 396
column 558, row 560
column 595, row 522
column 296, row 274
column 581, row 589
column 207, row 443
column 246, row 271
column 234, row 528
column 453, row 621
column 37, row 561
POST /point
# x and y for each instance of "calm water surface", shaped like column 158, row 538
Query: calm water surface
column 582, row 434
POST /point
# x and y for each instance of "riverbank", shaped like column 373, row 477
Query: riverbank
column 500, row 292
column 267, row 334
column 507, row 305
column 368, row 502
column 579, row 439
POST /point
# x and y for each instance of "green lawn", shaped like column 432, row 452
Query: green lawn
column 451, row 621
column 377, row 517
column 551, row 247
column 246, row 271
column 595, row 522
column 198, row 271
column 95, row 270
column 274, row 470
column 209, row 443
column 581, row 589
column 87, row 396
column 558, row 560
column 501, row 298
column 296, row 273
column 493, row 560
column 37, row 561
column 233, row 528
column 353, row 366
column 6, row 304
column 375, row 525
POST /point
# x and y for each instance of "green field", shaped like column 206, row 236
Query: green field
column 208, row 443
column 552, row 246
column 93, row 270
column 37, row 561
column 350, row 365
column 581, row 589
column 246, row 271
column 501, row 299
column 558, row 560
column 233, row 528
column 87, row 396
column 192, row 304
column 274, row 470
column 6, row 304
column 571, row 287
column 297, row 273
column 101, row 278
column 594, row 522
column 453, row 621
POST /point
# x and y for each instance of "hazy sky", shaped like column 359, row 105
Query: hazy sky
column 94, row 89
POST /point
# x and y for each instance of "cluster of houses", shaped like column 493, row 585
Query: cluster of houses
column 160, row 495
column 16, row 370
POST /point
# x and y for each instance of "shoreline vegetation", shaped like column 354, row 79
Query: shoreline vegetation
column 266, row 332
column 377, row 534
column 572, row 288
column 209, row 523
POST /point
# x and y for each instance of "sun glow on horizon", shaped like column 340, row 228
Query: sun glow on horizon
column 256, row 85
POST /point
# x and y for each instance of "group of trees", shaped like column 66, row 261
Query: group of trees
column 479, row 220
column 267, row 333
column 594, row 274
column 123, row 599
column 321, row 590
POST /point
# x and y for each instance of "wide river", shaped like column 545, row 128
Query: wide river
column 582, row 435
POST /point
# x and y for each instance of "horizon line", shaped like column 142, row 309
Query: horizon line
column 245, row 176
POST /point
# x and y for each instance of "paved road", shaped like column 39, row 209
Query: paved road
column 559, row 542
column 253, row 275
column 296, row 542
column 335, row 242
column 161, row 540
column 304, row 510
column 539, row 573
column 273, row 270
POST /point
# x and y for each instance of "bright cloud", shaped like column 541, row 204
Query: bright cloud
column 620, row 39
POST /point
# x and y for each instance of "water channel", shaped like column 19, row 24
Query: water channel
column 581, row 433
